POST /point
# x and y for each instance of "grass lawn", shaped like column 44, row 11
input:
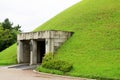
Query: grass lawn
column 94, row 49
column 8, row 56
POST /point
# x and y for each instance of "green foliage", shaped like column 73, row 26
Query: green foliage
column 48, row 57
column 62, row 65
column 7, row 24
column 53, row 71
column 8, row 56
column 8, row 34
column 50, row 63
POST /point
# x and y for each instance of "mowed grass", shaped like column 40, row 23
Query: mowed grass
column 9, row 56
column 94, row 48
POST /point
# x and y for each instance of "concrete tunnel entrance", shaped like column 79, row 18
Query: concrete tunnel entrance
column 27, row 50
column 32, row 46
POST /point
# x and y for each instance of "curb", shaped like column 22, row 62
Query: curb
column 69, row 77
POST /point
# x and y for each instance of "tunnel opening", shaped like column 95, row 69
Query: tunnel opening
column 40, row 50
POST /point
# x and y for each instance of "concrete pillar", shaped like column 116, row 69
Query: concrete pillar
column 49, row 46
column 33, row 54
column 20, row 52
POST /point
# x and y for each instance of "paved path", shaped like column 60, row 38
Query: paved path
column 18, row 74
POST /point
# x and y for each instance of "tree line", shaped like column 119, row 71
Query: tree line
column 8, row 34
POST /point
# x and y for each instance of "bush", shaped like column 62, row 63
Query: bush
column 42, row 69
column 50, row 63
column 48, row 57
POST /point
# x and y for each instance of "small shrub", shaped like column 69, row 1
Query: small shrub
column 48, row 57
column 50, row 63
column 65, row 66
column 42, row 69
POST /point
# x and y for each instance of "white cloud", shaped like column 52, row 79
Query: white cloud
column 31, row 13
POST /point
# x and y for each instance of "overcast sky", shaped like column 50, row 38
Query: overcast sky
column 32, row 13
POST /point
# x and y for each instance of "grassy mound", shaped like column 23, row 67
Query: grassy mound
column 94, row 49
column 8, row 56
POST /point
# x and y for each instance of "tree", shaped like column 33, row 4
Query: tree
column 8, row 34
column 7, row 24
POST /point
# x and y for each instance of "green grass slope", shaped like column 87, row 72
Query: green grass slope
column 8, row 56
column 94, row 49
